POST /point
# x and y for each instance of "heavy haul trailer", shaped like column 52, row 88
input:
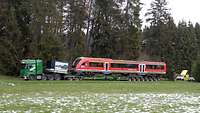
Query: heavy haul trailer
column 33, row 69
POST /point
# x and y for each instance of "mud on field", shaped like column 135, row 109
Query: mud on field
column 104, row 103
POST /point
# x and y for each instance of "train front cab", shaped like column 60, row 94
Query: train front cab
column 91, row 66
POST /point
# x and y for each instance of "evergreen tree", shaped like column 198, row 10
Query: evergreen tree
column 158, row 16
column 75, row 20
column 130, row 41
column 158, row 13
column 186, row 46
column 47, row 30
column 11, row 40
column 196, row 69
column 103, row 40
column 197, row 31
column 160, row 36
column 116, row 31
column 28, row 26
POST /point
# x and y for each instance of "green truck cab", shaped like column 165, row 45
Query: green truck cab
column 31, row 69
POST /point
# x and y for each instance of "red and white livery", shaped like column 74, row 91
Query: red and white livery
column 107, row 66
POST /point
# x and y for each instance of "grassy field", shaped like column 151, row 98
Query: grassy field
column 97, row 96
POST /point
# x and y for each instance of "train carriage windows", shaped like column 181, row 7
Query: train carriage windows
column 154, row 66
column 96, row 64
column 118, row 65
column 132, row 65
column 160, row 67
column 83, row 64
column 115, row 65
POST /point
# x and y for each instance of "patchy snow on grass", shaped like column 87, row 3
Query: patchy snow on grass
column 7, row 84
column 90, row 103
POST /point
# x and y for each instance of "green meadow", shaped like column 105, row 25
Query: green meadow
column 17, row 95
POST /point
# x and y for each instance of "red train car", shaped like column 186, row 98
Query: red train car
column 134, row 70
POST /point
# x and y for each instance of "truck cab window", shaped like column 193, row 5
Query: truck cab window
column 23, row 66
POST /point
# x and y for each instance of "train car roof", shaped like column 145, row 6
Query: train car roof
column 152, row 62
column 137, row 62
column 96, row 59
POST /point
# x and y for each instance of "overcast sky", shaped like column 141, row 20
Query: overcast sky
column 188, row 10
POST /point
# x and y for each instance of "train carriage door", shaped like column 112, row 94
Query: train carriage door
column 106, row 68
column 142, row 68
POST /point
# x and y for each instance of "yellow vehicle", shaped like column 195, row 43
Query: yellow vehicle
column 184, row 76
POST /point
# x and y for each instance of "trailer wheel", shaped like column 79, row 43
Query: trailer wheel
column 44, row 77
column 158, row 78
column 142, row 79
column 146, row 78
column 138, row 79
column 57, row 77
column 70, row 79
column 50, row 77
column 150, row 78
column 154, row 79
column 133, row 79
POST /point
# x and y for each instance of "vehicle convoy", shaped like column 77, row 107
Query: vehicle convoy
column 132, row 70
column 33, row 69
column 84, row 67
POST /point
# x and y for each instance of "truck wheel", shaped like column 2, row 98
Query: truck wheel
column 32, row 77
column 57, row 77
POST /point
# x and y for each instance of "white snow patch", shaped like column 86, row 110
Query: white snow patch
column 117, row 103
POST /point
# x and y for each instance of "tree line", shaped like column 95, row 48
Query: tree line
column 66, row 29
